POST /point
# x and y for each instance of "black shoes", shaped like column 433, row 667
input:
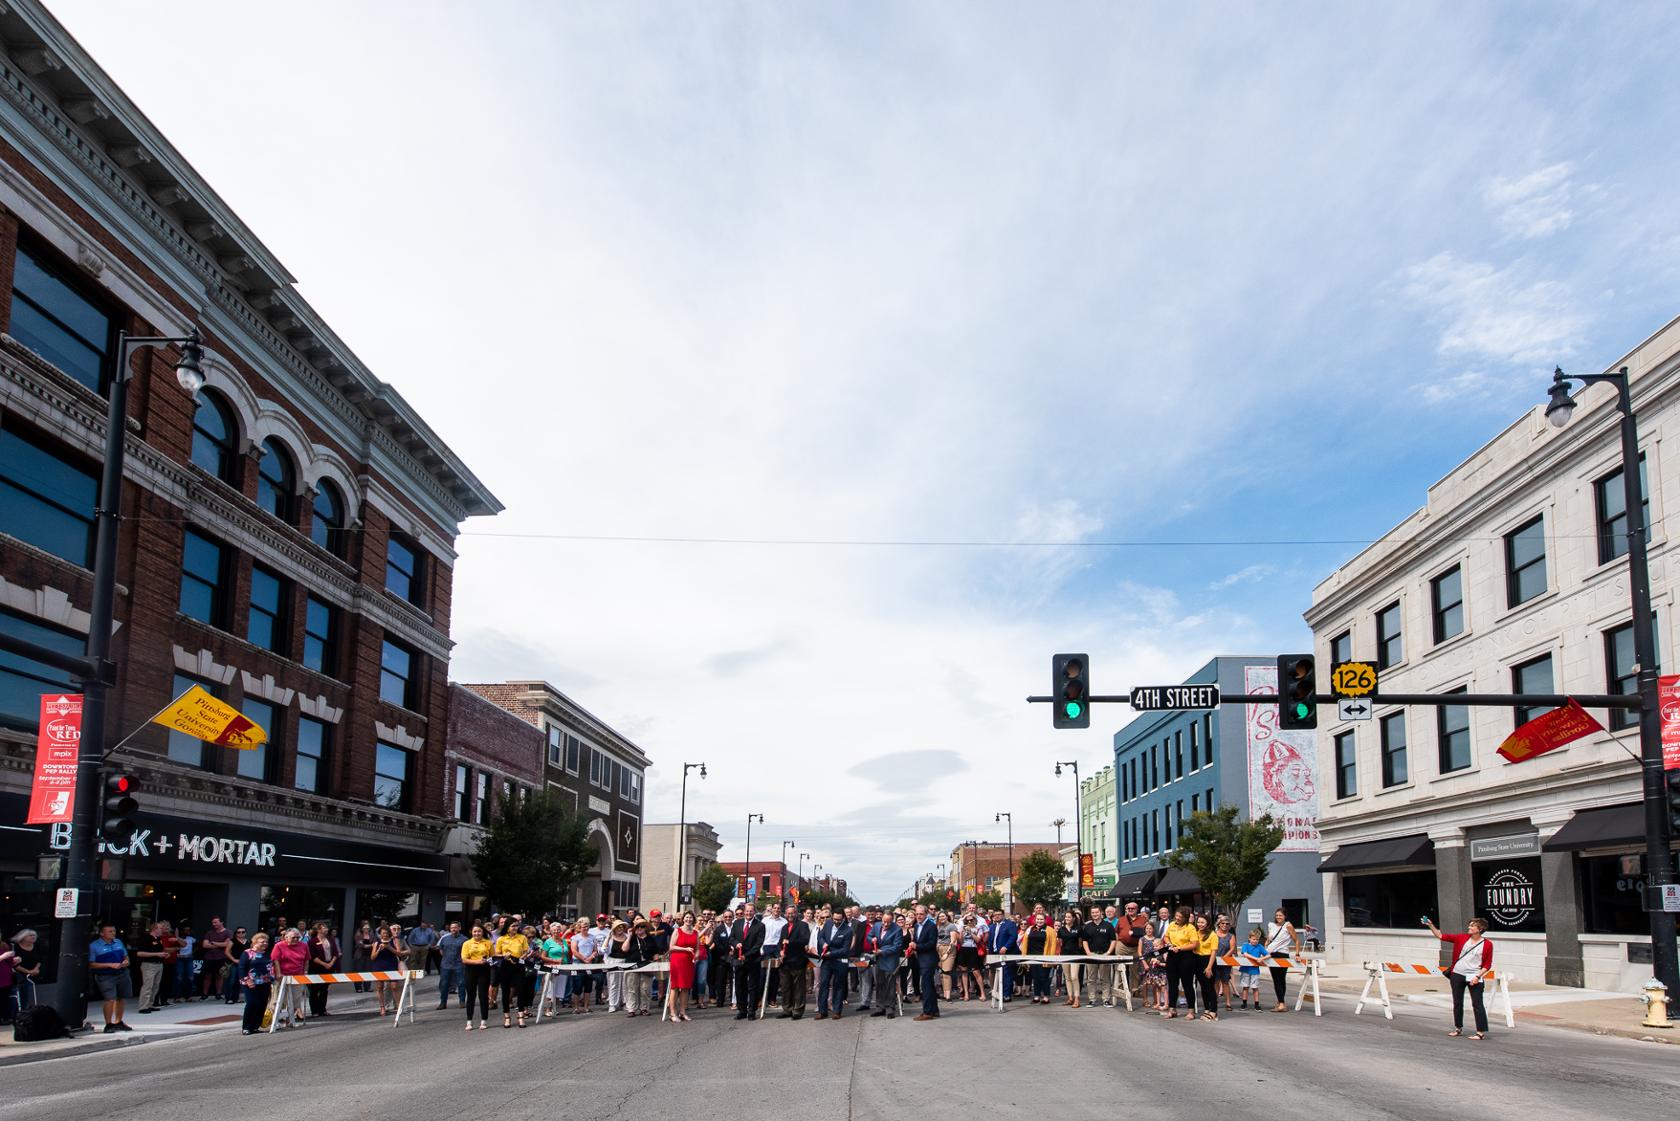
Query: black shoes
column 882, row 1012
column 740, row 1015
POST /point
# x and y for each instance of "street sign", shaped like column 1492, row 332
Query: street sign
column 1167, row 698
column 685, row 894
column 1671, row 897
column 1353, row 708
column 64, row 902
column 1353, row 679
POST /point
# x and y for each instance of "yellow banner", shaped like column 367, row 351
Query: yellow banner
column 197, row 713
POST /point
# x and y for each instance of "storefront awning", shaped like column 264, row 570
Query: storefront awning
column 1604, row 827
column 1177, row 882
column 1138, row 883
column 1414, row 848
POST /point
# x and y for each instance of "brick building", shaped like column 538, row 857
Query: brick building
column 601, row 772
column 287, row 535
column 978, row 866
column 490, row 756
column 773, row 878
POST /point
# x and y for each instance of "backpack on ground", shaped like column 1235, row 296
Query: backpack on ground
column 41, row 1022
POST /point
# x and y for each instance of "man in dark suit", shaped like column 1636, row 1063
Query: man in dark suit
column 1004, row 938
column 834, row 948
column 925, row 933
column 889, row 955
column 796, row 957
column 748, row 936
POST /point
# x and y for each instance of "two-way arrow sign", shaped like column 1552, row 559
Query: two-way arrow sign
column 1353, row 708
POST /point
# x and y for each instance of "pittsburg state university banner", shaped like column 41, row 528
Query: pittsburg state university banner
column 1548, row 732
column 53, row 796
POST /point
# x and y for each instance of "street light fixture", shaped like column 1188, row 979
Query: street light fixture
column 1078, row 832
column 785, row 846
column 682, row 828
column 752, row 891
column 1659, row 862
column 1006, row 815
column 803, row 857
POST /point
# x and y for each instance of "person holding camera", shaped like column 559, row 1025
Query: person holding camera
column 1472, row 961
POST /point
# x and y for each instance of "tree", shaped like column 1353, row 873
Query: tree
column 714, row 888
column 1229, row 858
column 1041, row 878
column 939, row 899
column 532, row 854
column 817, row 897
column 989, row 900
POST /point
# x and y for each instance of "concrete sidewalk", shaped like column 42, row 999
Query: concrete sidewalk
column 175, row 1021
column 1589, row 1010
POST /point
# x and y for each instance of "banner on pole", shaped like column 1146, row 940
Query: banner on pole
column 1282, row 766
column 52, row 798
column 1087, row 870
column 197, row 713
column 1548, row 732
column 1668, row 703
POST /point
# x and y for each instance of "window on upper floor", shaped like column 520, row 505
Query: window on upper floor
column 1452, row 733
column 556, row 745
column 1178, row 752
column 574, row 747
column 399, row 677
column 276, row 480
column 404, row 577
column 47, row 497
column 215, row 438
column 57, row 314
column 1525, row 561
column 1392, row 732
column 205, row 573
column 320, row 637
column 1341, row 648
column 1390, row 650
column 327, row 525
column 182, row 747
column 1195, row 748
column 1610, row 503
column 1532, row 676
column 461, row 804
column 390, row 776
column 1347, row 765
column 267, row 625
column 23, row 680
column 481, row 800
column 313, row 743
column 1446, row 603
column 1619, row 674
column 258, row 763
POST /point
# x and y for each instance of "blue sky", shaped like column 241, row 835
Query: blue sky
column 928, row 272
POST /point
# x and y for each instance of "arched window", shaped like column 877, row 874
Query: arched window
column 328, row 528
column 276, row 480
column 213, row 436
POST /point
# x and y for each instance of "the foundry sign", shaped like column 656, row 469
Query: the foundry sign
column 1508, row 894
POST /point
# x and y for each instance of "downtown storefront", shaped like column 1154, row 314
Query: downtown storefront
column 190, row 869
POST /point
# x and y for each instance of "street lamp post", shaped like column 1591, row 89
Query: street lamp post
column 682, row 828
column 1006, row 815
column 1659, row 833
column 99, row 672
column 1078, row 834
column 803, row 857
column 752, row 890
column 785, row 846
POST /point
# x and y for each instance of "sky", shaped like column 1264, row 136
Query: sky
column 927, row 339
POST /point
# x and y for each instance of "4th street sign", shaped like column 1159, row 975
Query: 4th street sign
column 1167, row 698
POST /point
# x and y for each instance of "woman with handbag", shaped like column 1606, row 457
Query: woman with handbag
column 1472, row 961
column 256, row 977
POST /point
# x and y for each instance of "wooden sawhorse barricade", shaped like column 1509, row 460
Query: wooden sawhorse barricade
column 405, row 997
column 1376, row 973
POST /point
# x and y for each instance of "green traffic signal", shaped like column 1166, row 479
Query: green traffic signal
column 1302, row 712
column 1073, row 709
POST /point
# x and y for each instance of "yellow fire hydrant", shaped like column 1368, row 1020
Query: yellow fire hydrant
column 1655, row 997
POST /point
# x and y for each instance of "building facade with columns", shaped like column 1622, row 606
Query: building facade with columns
column 287, row 534
column 662, row 847
column 1511, row 579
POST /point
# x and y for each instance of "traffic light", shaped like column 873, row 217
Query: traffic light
column 117, row 823
column 1297, row 685
column 1673, row 778
column 1070, row 690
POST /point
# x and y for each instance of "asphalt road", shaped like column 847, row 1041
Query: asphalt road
column 1053, row 1061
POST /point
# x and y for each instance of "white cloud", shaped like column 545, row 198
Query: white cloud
column 1243, row 575
column 1466, row 385
column 1497, row 314
column 1532, row 205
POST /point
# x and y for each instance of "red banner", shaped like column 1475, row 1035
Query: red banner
column 1087, row 870
column 1668, row 703
column 54, row 793
column 1548, row 732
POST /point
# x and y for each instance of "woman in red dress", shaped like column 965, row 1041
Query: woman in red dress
column 685, row 946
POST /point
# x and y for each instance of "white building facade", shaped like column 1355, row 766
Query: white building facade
column 1511, row 579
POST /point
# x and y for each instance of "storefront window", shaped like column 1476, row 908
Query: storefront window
column 1611, row 887
column 301, row 906
column 377, row 905
column 1389, row 899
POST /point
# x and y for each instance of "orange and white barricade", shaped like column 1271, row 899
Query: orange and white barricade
column 1309, row 966
column 1000, row 961
column 405, row 997
column 1376, row 973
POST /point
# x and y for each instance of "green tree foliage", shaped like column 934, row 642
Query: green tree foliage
column 940, row 899
column 816, row 897
column 535, row 850
column 1041, row 878
column 1229, row 858
column 714, row 888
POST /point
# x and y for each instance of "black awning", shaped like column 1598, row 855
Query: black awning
column 1603, row 827
column 1177, row 882
column 1414, row 848
column 1138, row 883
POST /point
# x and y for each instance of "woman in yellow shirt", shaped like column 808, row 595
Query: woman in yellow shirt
column 1205, row 953
column 510, row 952
column 1183, row 944
column 475, row 957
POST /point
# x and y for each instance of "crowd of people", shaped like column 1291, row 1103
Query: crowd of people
column 1176, row 962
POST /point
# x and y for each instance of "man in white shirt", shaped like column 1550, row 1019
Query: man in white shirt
column 774, row 924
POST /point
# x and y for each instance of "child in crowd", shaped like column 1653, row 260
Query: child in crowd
column 1251, row 953
column 1152, row 967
